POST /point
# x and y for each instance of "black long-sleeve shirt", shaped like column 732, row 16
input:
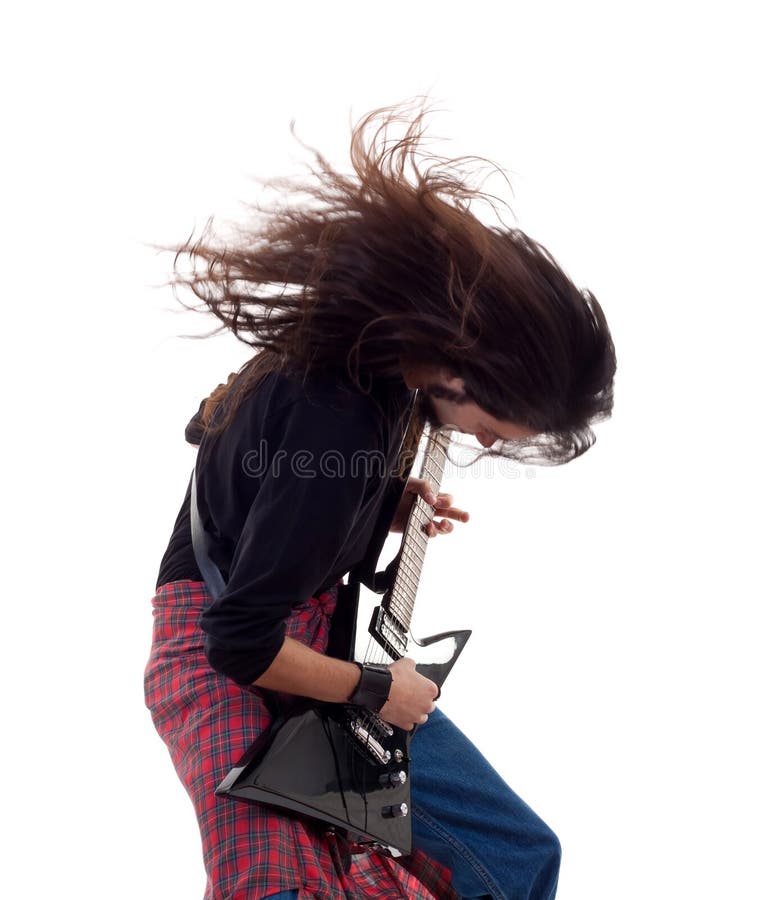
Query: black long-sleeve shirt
column 289, row 495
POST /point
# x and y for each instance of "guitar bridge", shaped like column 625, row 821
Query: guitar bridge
column 367, row 730
column 388, row 631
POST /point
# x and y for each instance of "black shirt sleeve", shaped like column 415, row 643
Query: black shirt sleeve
column 307, row 504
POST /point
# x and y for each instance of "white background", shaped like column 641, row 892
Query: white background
column 621, row 670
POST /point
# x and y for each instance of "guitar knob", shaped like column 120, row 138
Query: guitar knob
column 394, row 779
column 396, row 811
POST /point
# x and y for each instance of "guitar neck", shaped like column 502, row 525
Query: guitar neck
column 399, row 600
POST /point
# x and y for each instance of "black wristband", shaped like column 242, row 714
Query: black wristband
column 373, row 687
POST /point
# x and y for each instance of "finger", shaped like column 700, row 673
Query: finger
column 426, row 491
column 452, row 512
column 444, row 507
column 440, row 527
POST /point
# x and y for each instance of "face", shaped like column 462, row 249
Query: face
column 466, row 417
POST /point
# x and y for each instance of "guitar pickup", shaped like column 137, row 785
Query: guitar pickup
column 373, row 722
column 388, row 631
column 362, row 734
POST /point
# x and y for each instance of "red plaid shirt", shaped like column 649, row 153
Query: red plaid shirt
column 207, row 721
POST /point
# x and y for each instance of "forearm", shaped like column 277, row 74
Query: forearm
column 299, row 670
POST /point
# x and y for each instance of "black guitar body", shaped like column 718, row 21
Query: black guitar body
column 313, row 768
column 342, row 765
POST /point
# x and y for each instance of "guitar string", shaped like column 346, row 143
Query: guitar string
column 407, row 576
column 411, row 560
column 409, row 568
column 374, row 650
column 416, row 540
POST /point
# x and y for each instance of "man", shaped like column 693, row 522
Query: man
column 382, row 286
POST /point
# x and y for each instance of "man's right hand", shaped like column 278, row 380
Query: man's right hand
column 412, row 696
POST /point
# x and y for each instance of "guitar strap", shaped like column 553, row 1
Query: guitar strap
column 200, row 541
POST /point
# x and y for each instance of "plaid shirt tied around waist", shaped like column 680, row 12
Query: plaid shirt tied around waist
column 207, row 721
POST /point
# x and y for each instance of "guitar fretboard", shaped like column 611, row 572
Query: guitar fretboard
column 400, row 599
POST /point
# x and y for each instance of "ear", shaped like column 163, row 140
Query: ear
column 419, row 376
column 451, row 381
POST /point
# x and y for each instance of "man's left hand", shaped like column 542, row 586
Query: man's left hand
column 443, row 508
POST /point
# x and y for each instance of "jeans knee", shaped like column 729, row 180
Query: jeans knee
column 553, row 849
column 546, row 882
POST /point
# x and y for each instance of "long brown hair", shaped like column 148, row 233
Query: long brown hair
column 359, row 272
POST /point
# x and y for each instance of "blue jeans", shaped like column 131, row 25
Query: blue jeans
column 465, row 816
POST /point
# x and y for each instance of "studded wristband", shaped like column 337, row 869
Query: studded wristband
column 373, row 687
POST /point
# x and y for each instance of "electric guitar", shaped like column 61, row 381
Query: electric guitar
column 340, row 764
